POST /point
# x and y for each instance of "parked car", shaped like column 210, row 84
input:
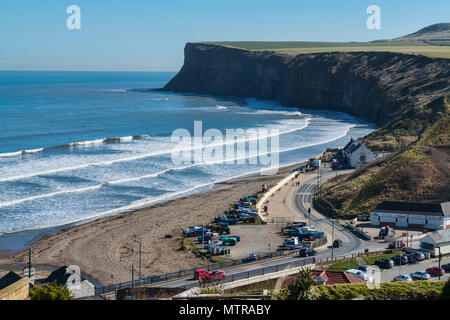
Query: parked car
column 307, row 252
column 435, row 271
column 420, row 275
column 404, row 259
column 418, row 256
column 200, row 273
column 360, row 274
column 251, row 257
column 446, row 267
column 364, row 269
column 411, row 258
column 337, row 243
column 215, row 275
column 385, row 263
column 397, row 244
column 403, row 277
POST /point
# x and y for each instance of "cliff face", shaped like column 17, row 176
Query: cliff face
column 377, row 86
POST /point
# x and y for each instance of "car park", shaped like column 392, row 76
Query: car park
column 420, row 275
column 403, row 277
column 435, row 271
column 337, row 243
column 385, row 263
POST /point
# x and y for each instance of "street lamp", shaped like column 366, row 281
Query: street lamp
column 439, row 263
column 132, row 275
column 140, row 258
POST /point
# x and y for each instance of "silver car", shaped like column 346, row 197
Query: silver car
column 403, row 277
column 420, row 275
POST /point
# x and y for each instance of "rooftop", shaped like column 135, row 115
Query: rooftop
column 335, row 277
column 419, row 208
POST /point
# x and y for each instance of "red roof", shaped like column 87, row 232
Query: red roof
column 336, row 277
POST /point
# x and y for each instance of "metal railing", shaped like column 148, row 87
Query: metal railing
column 190, row 272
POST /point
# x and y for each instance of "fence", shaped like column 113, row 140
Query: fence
column 358, row 231
column 257, row 272
column 190, row 272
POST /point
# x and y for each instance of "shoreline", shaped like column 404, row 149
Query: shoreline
column 12, row 243
column 101, row 246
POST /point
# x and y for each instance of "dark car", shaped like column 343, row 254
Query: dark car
column 337, row 243
column 418, row 256
column 411, row 258
column 364, row 269
column 307, row 252
column 403, row 257
column 446, row 267
column 385, row 263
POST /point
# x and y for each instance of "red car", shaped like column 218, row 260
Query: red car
column 397, row 244
column 435, row 271
column 214, row 275
column 200, row 273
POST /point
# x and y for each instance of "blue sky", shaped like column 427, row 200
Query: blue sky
column 149, row 35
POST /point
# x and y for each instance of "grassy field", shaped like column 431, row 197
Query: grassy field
column 343, row 265
column 301, row 47
column 371, row 260
column 417, row 290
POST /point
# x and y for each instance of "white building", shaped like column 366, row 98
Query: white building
column 433, row 216
column 435, row 240
column 69, row 277
column 356, row 154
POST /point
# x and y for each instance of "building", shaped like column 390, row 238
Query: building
column 435, row 240
column 14, row 287
column 356, row 154
column 331, row 277
column 67, row 277
column 433, row 216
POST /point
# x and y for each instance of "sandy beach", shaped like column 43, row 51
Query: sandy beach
column 105, row 248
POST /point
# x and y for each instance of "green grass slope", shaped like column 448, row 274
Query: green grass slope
column 419, row 172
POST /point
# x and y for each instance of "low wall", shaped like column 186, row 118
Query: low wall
column 145, row 293
column 271, row 192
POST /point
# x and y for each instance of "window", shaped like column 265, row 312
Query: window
column 362, row 158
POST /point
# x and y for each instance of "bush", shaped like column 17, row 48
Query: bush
column 53, row 291
column 446, row 291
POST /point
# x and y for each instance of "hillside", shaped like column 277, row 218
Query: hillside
column 436, row 34
column 421, row 172
column 432, row 41
column 407, row 95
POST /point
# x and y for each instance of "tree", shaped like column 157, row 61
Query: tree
column 303, row 289
column 53, row 291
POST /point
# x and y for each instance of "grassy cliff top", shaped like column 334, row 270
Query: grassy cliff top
column 302, row 47
column 432, row 41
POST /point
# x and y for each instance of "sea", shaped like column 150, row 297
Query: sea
column 76, row 146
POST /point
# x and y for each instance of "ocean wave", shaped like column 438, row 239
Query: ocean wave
column 77, row 144
column 148, row 155
column 156, row 174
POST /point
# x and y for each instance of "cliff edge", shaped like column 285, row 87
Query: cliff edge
column 376, row 86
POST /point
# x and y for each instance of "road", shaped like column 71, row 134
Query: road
column 299, row 202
